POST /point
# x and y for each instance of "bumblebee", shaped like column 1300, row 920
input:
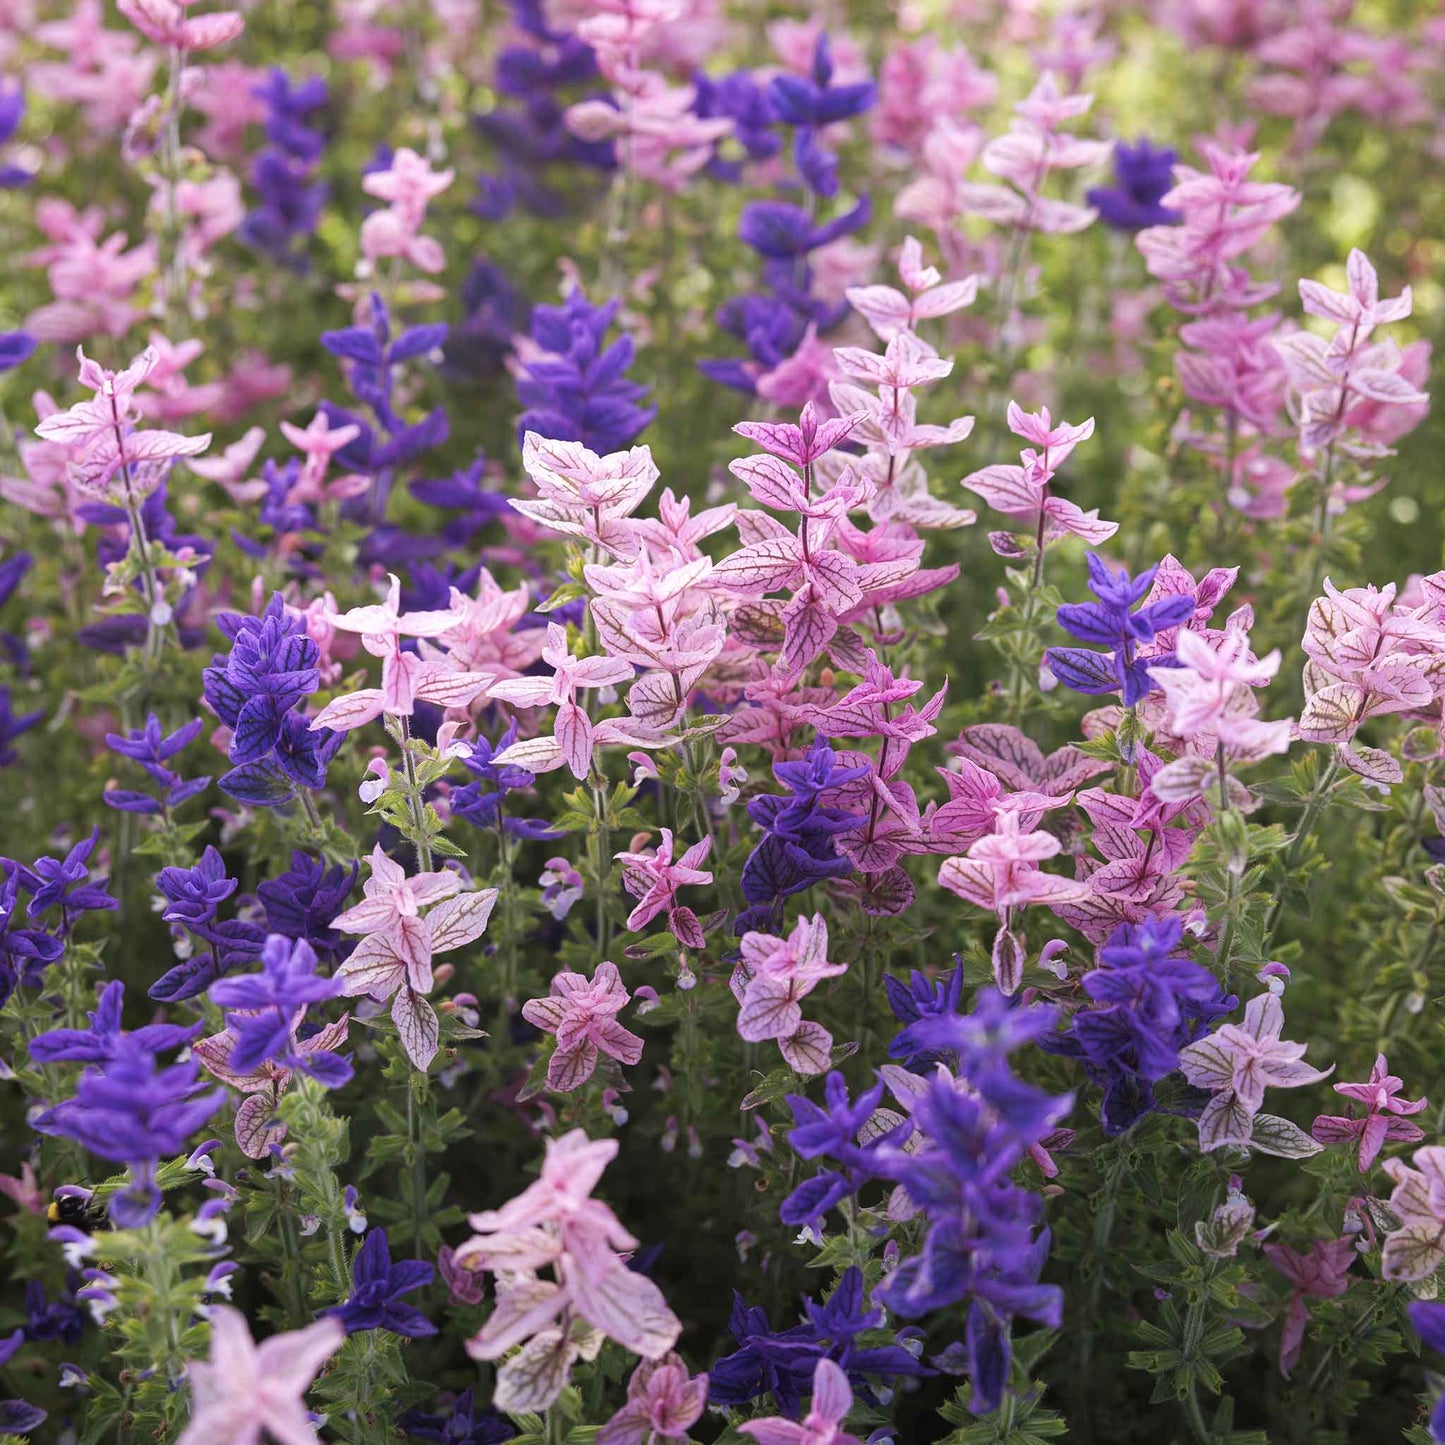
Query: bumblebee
column 87, row 1215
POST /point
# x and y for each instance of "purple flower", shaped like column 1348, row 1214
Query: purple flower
column 377, row 1286
column 750, row 108
column 257, row 691
column 786, row 232
column 302, row 901
column 287, row 984
column 983, row 1243
column 532, row 138
column 98, row 1043
column 1149, row 1003
column 799, row 828
column 1143, row 175
column 48, row 1320
column 131, row 1112
column 580, row 391
column 493, row 312
column 194, row 894
column 12, row 726
column 1428, row 1317
column 15, row 347
column 465, row 1424
column 12, row 111
column 919, row 999
column 284, row 173
column 152, row 751
column 16, row 1417
column 24, row 952
column 782, row 1362
column 482, row 807
column 833, row 1129
column 272, row 666
column 1111, row 623
column 65, row 883
column 811, row 102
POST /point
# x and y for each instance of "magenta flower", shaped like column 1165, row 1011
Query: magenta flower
column 654, row 880
column 800, row 444
column 663, row 1403
column 583, row 1015
column 1023, row 493
column 772, row 977
column 1237, row 1064
column 1382, row 1119
column 555, row 1225
column 246, row 1391
column 1322, row 1272
column 823, row 1424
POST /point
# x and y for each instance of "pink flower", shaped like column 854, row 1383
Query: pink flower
column 102, row 438
column 247, row 1391
column 663, row 1402
column 228, row 471
column 406, row 921
column 1237, row 1064
column 1322, row 1272
column 257, row 1127
column 772, row 977
column 1198, row 692
column 1034, row 147
column 1380, row 1096
column 1417, row 1248
column 318, row 443
column 583, row 1016
column 654, row 881
column 410, row 184
column 574, row 731
column 485, row 638
column 584, row 495
column 24, row 1190
column 822, row 1425
column 555, row 1225
column 1001, row 873
column 405, row 677
column 166, row 23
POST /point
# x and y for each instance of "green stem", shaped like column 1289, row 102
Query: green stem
column 418, row 1164
column 601, row 841
column 293, row 1275
column 415, row 803
column 1314, row 806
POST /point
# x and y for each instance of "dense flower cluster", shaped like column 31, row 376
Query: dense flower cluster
column 506, row 704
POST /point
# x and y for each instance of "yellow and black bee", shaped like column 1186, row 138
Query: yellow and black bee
column 87, row 1214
